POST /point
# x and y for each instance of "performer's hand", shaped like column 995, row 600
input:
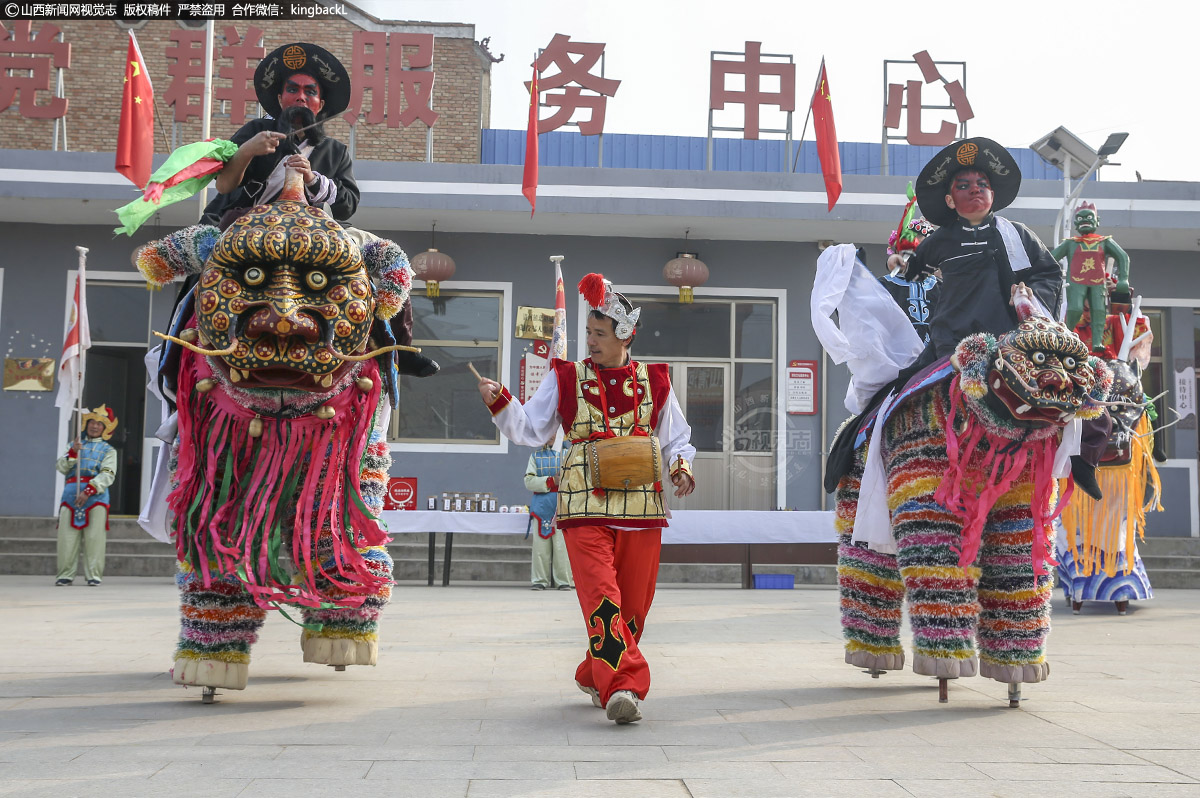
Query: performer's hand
column 895, row 262
column 80, row 499
column 264, row 142
column 301, row 163
column 1019, row 288
column 683, row 484
column 489, row 390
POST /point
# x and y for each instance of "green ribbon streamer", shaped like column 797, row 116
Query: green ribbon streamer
column 135, row 214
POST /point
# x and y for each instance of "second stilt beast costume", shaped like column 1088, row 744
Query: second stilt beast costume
column 627, row 432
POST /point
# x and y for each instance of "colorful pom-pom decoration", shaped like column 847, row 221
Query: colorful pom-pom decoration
column 972, row 357
column 388, row 266
column 181, row 253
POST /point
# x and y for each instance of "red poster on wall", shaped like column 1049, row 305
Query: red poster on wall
column 401, row 494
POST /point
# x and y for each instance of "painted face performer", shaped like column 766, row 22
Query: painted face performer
column 1086, row 255
column 626, row 429
column 300, row 85
column 981, row 256
column 90, row 466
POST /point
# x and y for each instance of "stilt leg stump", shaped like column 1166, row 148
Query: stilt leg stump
column 875, row 672
column 1122, row 607
column 943, row 691
column 1076, row 606
column 1014, row 695
column 209, row 695
column 338, row 667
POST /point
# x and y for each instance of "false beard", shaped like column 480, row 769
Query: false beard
column 297, row 117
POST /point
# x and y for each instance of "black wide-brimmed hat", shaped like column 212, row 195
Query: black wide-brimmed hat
column 978, row 153
column 287, row 60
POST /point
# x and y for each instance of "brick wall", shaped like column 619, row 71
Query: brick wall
column 93, row 85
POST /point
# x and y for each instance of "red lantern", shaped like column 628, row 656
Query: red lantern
column 685, row 271
column 433, row 267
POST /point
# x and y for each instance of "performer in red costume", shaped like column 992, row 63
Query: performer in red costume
column 613, row 534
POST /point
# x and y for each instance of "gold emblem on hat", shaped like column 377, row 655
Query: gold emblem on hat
column 965, row 154
column 294, row 57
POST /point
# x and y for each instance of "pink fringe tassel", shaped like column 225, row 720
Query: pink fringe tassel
column 214, row 429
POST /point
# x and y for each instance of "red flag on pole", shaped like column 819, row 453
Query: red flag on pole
column 135, row 136
column 529, row 182
column 827, row 141
column 76, row 340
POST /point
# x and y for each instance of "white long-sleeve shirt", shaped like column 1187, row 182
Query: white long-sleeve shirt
column 536, row 421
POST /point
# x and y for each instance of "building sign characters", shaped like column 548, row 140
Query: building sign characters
column 752, row 97
column 378, row 66
column 245, row 52
column 578, row 72
column 23, row 72
column 896, row 104
column 187, row 50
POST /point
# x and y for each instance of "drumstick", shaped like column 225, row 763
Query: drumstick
column 474, row 371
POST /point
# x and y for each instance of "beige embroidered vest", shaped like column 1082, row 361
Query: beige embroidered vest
column 577, row 504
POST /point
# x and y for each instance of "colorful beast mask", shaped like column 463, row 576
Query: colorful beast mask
column 1127, row 406
column 289, row 285
column 1039, row 374
column 286, row 297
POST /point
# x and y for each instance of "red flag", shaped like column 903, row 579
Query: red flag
column 76, row 339
column 135, row 137
column 529, row 182
column 827, row 141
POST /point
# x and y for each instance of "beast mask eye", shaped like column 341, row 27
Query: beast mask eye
column 254, row 276
column 1038, row 357
column 1068, row 362
column 316, row 280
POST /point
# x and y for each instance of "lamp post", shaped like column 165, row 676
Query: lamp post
column 1063, row 149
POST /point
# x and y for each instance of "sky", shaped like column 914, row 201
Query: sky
column 1094, row 68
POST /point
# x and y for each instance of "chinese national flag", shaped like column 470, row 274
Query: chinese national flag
column 529, row 182
column 135, row 137
column 827, row 141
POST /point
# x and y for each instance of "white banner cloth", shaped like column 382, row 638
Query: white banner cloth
column 687, row 526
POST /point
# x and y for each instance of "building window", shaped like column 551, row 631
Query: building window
column 457, row 328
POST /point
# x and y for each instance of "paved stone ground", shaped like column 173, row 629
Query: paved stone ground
column 474, row 697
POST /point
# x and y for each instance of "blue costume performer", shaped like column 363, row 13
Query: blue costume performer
column 90, row 468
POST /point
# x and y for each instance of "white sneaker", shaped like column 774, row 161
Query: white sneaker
column 594, row 693
column 623, row 707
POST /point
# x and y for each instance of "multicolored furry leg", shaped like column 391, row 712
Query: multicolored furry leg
column 943, row 608
column 351, row 636
column 219, row 624
column 348, row 636
column 1015, row 618
column 870, row 588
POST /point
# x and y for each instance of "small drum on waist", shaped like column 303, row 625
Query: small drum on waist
column 626, row 462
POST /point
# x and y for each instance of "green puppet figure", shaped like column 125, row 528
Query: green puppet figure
column 1087, row 253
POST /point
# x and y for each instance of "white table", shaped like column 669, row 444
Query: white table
column 688, row 527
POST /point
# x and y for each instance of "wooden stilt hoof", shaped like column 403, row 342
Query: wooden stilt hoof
column 1122, row 607
column 1076, row 606
column 338, row 667
column 1014, row 695
column 943, row 691
column 875, row 672
column 209, row 695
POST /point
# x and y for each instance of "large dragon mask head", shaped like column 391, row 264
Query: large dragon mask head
column 1038, row 375
column 1127, row 405
column 286, row 298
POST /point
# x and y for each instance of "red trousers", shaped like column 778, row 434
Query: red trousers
column 615, row 574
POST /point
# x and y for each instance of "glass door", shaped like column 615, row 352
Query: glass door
column 703, row 391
